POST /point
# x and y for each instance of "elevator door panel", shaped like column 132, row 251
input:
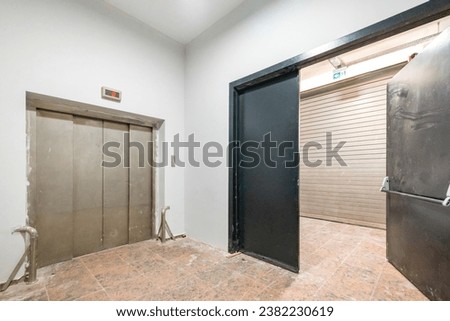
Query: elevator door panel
column 54, row 187
column 140, row 148
column 79, row 201
column 115, row 189
column 88, row 185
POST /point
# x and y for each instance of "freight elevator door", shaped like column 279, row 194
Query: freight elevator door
column 93, row 185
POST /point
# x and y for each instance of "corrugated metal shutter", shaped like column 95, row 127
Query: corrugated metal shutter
column 354, row 112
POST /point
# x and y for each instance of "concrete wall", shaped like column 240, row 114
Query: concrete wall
column 69, row 49
column 256, row 35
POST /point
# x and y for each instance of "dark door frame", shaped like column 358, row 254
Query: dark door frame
column 404, row 21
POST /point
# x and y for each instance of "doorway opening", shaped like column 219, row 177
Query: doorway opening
column 347, row 98
column 344, row 99
column 378, row 51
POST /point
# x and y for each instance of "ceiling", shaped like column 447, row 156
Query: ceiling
column 182, row 20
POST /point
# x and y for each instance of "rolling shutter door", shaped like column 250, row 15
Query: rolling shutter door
column 353, row 112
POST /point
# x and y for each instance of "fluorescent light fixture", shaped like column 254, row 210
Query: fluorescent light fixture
column 337, row 62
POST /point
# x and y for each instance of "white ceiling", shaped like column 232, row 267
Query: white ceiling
column 182, row 20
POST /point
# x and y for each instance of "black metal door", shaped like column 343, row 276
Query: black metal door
column 418, row 231
column 268, row 206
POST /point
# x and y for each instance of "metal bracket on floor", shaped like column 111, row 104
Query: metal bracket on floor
column 232, row 255
column 30, row 252
column 164, row 227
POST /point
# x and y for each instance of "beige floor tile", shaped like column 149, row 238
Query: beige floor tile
column 95, row 296
column 37, row 295
column 133, row 289
column 352, row 283
column 71, row 280
column 393, row 286
column 22, row 291
column 337, row 262
column 109, row 276
column 136, row 252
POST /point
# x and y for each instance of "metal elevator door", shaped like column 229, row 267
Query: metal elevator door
column 115, row 191
column 81, row 206
column 87, row 186
column 54, row 186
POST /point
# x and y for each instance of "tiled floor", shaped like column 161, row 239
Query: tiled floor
column 338, row 262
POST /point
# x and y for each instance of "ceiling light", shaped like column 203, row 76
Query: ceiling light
column 337, row 62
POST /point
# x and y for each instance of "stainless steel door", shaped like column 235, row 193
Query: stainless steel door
column 140, row 222
column 88, row 185
column 115, row 190
column 78, row 206
column 54, row 186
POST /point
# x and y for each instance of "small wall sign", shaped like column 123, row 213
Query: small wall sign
column 111, row 94
column 339, row 73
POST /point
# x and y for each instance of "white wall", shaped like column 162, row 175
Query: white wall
column 256, row 35
column 69, row 49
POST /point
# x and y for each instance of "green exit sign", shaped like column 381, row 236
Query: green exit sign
column 339, row 73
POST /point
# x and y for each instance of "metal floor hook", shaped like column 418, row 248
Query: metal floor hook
column 30, row 253
column 164, row 227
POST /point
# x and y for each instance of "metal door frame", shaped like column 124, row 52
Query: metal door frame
column 409, row 19
column 36, row 102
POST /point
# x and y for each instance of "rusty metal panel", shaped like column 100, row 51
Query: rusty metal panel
column 54, row 187
column 88, row 185
column 418, row 244
column 419, row 116
column 115, row 188
column 140, row 220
